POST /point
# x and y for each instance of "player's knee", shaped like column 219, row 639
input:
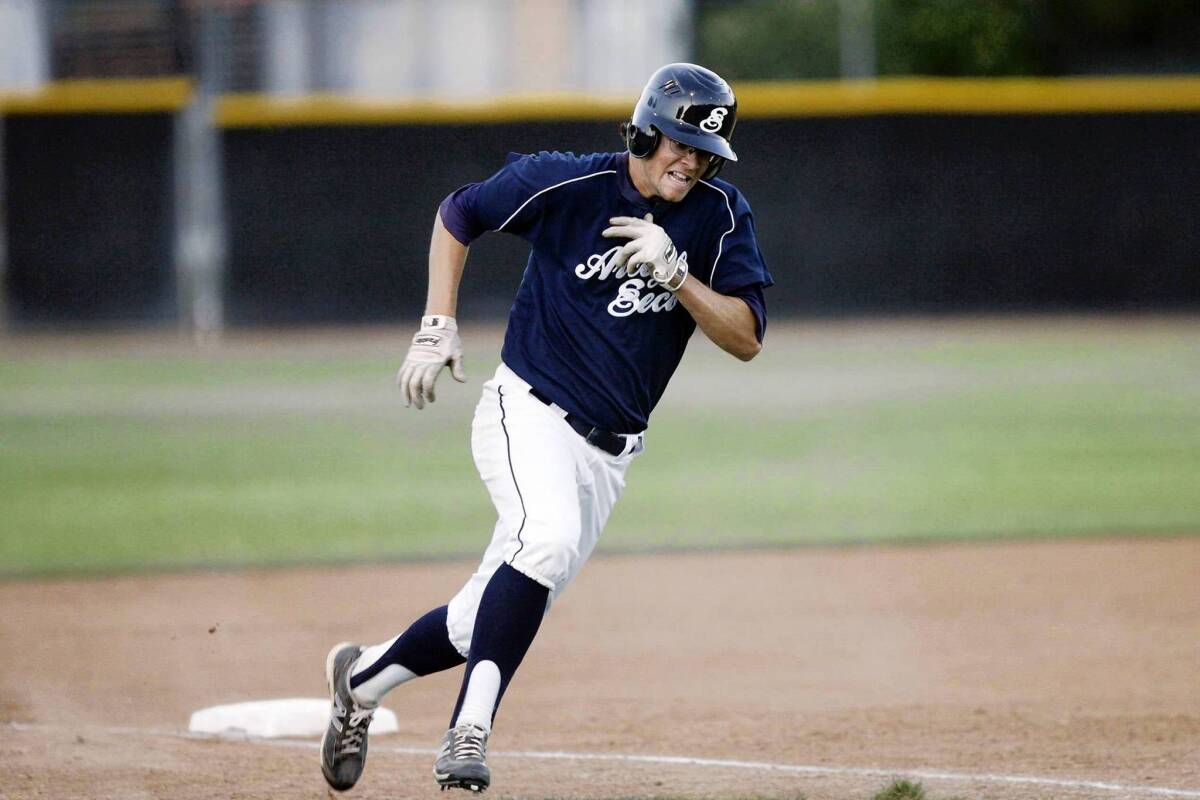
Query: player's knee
column 547, row 561
column 561, row 557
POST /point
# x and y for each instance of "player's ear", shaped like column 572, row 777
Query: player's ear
column 639, row 143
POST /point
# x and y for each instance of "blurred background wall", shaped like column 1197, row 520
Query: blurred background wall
column 216, row 162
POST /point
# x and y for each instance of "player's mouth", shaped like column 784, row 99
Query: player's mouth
column 681, row 178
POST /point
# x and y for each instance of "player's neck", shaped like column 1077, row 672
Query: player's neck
column 640, row 180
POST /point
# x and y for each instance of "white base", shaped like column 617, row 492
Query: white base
column 270, row 719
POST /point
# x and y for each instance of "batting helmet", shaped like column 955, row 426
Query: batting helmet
column 689, row 104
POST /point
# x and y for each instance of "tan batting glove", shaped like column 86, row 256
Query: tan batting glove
column 434, row 346
column 649, row 244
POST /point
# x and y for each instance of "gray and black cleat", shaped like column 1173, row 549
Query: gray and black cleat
column 461, row 763
column 344, row 748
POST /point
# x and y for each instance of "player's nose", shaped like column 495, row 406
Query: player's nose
column 691, row 160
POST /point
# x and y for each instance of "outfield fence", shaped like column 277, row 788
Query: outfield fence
column 888, row 196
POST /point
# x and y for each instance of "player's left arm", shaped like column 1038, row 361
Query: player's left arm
column 728, row 321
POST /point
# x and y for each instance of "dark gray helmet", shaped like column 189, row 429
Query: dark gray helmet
column 690, row 104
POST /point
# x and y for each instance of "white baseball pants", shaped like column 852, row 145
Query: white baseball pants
column 552, row 491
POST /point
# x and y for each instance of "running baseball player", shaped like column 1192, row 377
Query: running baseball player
column 630, row 252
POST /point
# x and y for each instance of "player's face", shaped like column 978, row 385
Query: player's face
column 672, row 171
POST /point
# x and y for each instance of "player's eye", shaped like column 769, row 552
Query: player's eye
column 680, row 149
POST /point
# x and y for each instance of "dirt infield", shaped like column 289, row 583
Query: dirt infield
column 1073, row 661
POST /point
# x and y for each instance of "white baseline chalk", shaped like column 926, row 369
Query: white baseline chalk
column 715, row 763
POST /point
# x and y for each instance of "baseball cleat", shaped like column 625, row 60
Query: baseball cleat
column 344, row 747
column 461, row 763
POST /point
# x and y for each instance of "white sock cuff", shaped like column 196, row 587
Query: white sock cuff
column 482, row 692
column 372, row 654
column 372, row 691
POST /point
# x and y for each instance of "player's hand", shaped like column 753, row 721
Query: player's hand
column 435, row 345
column 649, row 244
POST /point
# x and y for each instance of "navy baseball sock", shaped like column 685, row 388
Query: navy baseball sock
column 422, row 649
column 510, row 613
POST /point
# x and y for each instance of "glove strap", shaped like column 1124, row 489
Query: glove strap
column 676, row 280
column 438, row 322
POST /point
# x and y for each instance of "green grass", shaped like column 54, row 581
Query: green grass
column 901, row 790
column 896, row 790
column 123, row 460
column 686, row 797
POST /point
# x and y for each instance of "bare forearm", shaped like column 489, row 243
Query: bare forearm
column 728, row 321
column 447, row 257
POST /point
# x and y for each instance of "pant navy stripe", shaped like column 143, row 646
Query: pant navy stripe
column 508, row 448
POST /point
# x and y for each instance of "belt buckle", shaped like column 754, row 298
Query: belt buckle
column 601, row 440
column 615, row 444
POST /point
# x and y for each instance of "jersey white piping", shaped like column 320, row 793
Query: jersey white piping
column 732, row 225
column 548, row 188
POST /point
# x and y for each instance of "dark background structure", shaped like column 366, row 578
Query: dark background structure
column 928, row 213
column 921, row 208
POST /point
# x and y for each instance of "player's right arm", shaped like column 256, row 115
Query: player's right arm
column 504, row 202
column 437, row 343
column 447, row 257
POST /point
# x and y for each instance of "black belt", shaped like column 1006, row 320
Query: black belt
column 611, row 443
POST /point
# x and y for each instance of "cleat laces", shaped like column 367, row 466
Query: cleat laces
column 356, row 730
column 469, row 742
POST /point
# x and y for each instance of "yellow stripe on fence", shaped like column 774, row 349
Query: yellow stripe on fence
column 107, row 96
column 757, row 99
column 969, row 96
column 256, row 110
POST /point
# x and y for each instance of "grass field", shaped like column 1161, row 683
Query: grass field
column 125, row 453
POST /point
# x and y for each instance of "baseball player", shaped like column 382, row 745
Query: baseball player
column 630, row 252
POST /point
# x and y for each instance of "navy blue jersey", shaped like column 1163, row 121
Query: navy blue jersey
column 600, row 341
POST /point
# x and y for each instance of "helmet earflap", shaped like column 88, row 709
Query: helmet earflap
column 638, row 142
column 641, row 144
column 714, row 166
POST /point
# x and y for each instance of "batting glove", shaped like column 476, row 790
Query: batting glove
column 649, row 244
column 435, row 345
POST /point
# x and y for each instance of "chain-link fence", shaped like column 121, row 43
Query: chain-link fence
column 362, row 47
column 129, row 38
column 154, row 38
column 483, row 47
